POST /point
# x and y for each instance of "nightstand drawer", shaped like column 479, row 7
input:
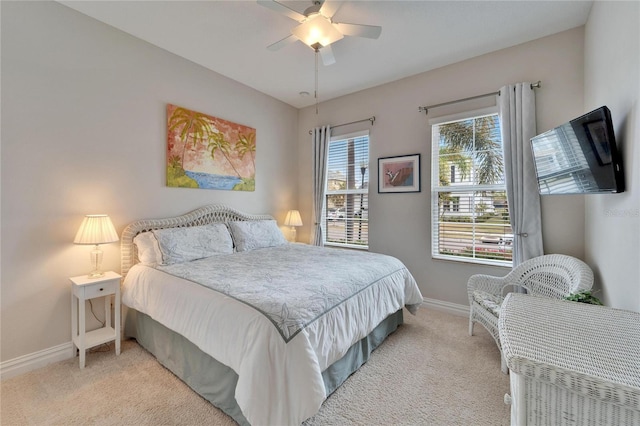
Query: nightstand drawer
column 99, row 289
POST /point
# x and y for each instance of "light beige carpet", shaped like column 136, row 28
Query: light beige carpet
column 429, row 372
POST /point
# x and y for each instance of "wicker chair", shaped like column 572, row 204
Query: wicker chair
column 554, row 276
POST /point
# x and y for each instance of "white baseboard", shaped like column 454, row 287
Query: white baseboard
column 452, row 308
column 35, row 360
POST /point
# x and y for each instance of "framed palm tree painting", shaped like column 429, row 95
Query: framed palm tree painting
column 208, row 152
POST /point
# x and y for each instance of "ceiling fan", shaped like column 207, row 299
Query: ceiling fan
column 317, row 28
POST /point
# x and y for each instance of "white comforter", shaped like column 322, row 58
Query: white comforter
column 255, row 321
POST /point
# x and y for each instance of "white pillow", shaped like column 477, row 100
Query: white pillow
column 254, row 234
column 148, row 249
column 178, row 245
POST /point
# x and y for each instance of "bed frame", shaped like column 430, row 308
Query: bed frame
column 211, row 379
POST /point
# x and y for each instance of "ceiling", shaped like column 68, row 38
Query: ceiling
column 230, row 37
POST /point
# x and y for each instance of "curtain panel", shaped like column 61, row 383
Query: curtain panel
column 320, row 140
column 518, row 117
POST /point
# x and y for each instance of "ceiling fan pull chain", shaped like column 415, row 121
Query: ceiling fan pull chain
column 315, row 93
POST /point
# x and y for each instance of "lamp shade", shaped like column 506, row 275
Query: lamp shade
column 96, row 229
column 293, row 218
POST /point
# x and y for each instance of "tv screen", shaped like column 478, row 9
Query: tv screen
column 579, row 157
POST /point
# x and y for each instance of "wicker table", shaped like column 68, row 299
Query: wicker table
column 571, row 363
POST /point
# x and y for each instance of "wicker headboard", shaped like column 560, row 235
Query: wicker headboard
column 200, row 216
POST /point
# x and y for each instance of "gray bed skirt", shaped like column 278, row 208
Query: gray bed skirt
column 215, row 381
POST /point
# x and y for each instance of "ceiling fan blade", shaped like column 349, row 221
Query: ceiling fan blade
column 282, row 9
column 330, row 8
column 359, row 30
column 327, row 55
column 282, row 43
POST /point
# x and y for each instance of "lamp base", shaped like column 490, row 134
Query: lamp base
column 292, row 234
column 96, row 274
column 96, row 262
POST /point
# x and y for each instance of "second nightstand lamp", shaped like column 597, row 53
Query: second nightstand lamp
column 292, row 220
column 96, row 229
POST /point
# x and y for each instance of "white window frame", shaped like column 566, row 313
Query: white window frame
column 472, row 188
column 354, row 135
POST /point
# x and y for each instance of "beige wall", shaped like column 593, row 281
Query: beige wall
column 83, row 131
column 612, row 78
column 400, row 223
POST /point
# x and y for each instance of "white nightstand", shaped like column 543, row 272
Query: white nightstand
column 84, row 288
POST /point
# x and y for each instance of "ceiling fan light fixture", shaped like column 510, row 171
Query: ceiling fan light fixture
column 316, row 30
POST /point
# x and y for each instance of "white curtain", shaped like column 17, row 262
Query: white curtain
column 320, row 139
column 518, row 118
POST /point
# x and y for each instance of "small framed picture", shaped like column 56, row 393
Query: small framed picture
column 399, row 174
column 597, row 134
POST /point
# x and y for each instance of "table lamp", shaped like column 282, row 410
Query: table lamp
column 292, row 220
column 96, row 229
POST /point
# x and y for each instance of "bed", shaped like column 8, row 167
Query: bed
column 262, row 328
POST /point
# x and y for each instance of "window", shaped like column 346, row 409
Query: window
column 565, row 169
column 455, row 204
column 470, row 216
column 346, row 207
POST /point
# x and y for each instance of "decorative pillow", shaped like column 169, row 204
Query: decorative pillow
column 179, row 245
column 254, row 234
column 148, row 249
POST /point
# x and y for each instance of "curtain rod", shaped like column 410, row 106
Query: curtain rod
column 426, row 108
column 371, row 119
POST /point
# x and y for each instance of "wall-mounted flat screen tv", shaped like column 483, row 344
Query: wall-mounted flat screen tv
column 579, row 157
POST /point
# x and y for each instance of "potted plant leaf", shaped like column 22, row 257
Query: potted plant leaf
column 584, row 296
